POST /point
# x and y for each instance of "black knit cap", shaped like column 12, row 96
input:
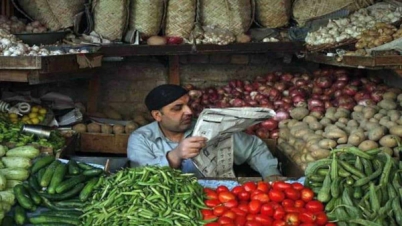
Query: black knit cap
column 163, row 95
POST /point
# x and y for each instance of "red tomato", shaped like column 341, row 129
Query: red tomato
column 263, row 186
column 212, row 224
column 297, row 186
column 254, row 206
column 276, row 195
column 244, row 196
column 322, row 218
column 240, row 220
column 280, row 185
column 230, row 214
column 231, row 203
column 292, row 219
column 279, row 213
column 255, row 192
column 219, row 210
column 221, row 188
column 264, row 220
column 307, row 217
column 314, row 206
column 208, row 190
column 209, row 217
column 299, row 203
column 279, row 223
column 250, row 217
column 292, row 209
column 288, row 203
column 226, row 196
column 249, row 186
column 238, row 211
column 174, row 40
column 292, row 193
column 307, row 194
column 263, row 198
column 212, row 195
column 212, row 202
column 225, row 220
column 253, row 223
column 237, row 190
column 267, row 210
column 330, row 224
column 244, row 207
column 230, row 224
column 307, row 224
column 206, row 212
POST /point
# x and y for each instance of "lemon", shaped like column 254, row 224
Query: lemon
column 35, row 109
column 35, row 121
column 28, row 121
column 41, row 117
column 42, row 111
column 33, row 115
column 24, row 118
column 13, row 116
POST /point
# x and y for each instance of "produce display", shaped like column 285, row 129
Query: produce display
column 15, row 25
column 35, row 116
column 95, row 127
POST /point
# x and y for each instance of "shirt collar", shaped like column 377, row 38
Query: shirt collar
column 159, row 135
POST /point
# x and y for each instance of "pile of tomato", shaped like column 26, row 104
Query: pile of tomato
column 262, row 203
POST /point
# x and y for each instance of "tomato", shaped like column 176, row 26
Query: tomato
column 174, row 40
column 209, row 217
column 212, row 202
column 307, row 224
column 307, row 217
column 279, row 213
column 221, row 188
column 208, row 190
column 249, row 186
column 292, row 193
column 244, row 207
column 297, row 186
column 254, row 206
column 212, row 224
column 212, row 195
column 237, row 190
column 226, row 196
column 280, row 185
column 263, row 186
column 267, row 210
column 307, row 194
column 322, row 218
column 264, row 220
column 276, row 195
column 238, row 211
column 253, row 223
column 240, row 220
column 206, row 212
column 219, row 210
column 225, row 220
column 231, row 203
column 279, row 223
column 244, row 196
column 314, row 206
column 255, row 192
column 292, row 219
column 299, row 203
column 263, row 198
column 292, row 209
column 230, row 214
column 288, row 203
column 330, row 224
column 250, row 217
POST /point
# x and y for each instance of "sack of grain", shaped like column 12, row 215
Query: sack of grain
column 65, row 10
column 110, row 18
column 233, row 15
column 40, row 10
column 146, row 16
column 180, row 18
column 305, row 10
column 273, row 13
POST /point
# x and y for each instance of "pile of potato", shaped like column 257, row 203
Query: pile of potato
column 310, row 136
column 95, row 127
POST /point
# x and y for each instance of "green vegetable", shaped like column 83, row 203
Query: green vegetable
column 73, row 167
column 17, row 162
column 92, row 172
column 324, row 195
column 20, row 215
column 41, row 163
column 24, row 151
column 15, row 173
column 8, row 196
column 3, row 182
column 23, row 197
column 57, row 178
column 70, row 183
column 7, row 221
column 54, row 219
column 88, row 189
column 13, row 183
column 47, row 176
column 3, row 150
column 68, row 194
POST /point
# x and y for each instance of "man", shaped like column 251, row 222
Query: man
column 168, row 142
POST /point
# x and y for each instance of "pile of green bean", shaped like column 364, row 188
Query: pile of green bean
column 146, row 196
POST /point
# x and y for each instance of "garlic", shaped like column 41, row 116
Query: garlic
column 6, row 53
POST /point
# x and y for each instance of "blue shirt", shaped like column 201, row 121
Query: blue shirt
column 148, row 146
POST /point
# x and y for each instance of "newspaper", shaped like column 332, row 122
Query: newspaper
column 218, row 125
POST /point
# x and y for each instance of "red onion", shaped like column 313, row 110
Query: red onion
column 287, row 77
column 232, row 84
column 271, row 78
column 376, row 96
column 288, row 106
column 239, row 84
column 370, row 86
column 278, row 103
column 350, row 90
column 317, row 73
column 237, row 102
column 323, row 82
column 355, row 82
column 281, row 86
column 326, row 72
column 362, row 95
column 257, row 85
column 264, row 101
column 287, row 100
column 339, row 84
column 205, row 102
column 268, row 105
column 344, row 99
column 294, row 91
column 366, row 102
column 324, row 97
column 338, row 93
column 252, row 103
column 300, row 82
column 194, row 94
column 269, row 124
column 342, row 77
column 328, row 104
column 298, row 99
column 315, row 103
column 274, row 134
column 317, row 109
column 262, row 133
column 317, row 90
column 259, row 79
column 364, row 80
column 227, row 89
column 259, row 97
column 306, row 77
column 248, row 87
column 375, row 79
column 281, row 115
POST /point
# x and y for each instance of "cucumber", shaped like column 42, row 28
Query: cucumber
column 70, row 203
column 92, row 172
column 7, row 221
column 67, row 184
column 58, row 213
column 54, row 219
column 15, row 173
column 324, row 194
column 41, row 163
column 47, row 203
column 73, row 167
column 33, row 182
column 20, row 215
column 33, row 194
column 22, row 196
column 23, row 151
column 88, row 189
column 85, row 166
column 39, row 175
column 17, row 162
column 57, row 178
column 314, row 166
column 12, row 183
column 71, row 193
column 47, row 176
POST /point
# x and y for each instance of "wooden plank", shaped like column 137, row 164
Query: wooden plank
column 104, row 143
column 388, row 60
column 14, row 75
column 36, row 77
column 66, row 63
column 174, row 70
column 20, row 63
column 93, row 89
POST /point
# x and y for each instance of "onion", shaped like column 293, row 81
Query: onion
column 361, row 95
column 298, row 99
column 338, row 93
column 326, row 72
column 317, row 90
column 317, row 109
column 252, row 103
column 227, row 89
column 315, row 103
column 281, row 86
column 264, row 101
column 259, row 97
column 328, row 104
column 287, row 77
column 366, row 102
column 375, row 79
column 340, row 71
column 300, row 82
column 306, row 77
column 278, row 103
column 274, row 134
column 287, row 100
column 370, row 86
column 355, row 82
column 271, row 77
column 259, row 79
column 205, row 102
column 294, row 91
column 345, row 100
column 262, row 133
column 323, row 82
column 339, row 84
column 232, row 84
column 248, row 87
column 239, row 84
column 376, row 96
column 324, row 97
column 350, row 90
column 269, row 124
column 194, row 94
column 342, row 77
column 237, row 102
column 281, row 115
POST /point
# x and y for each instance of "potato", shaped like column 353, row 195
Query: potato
column 107, row 129
column 375, row 134
column 399, row 98
column 284, row 133
column 320, row 154
column 358, row 116
column 287, row 148
column 316, row 114
column 373, row 120
column 327, row 143
column 344, row 146
column 343, row 120
column 118, row 129
column 309, row 119
column 389, row 96
column 140, row 120
column 383, row 111
column 356, row 137
column 370, row 125
column 369, row 112
column 387, row 150
column 112, row 113
column 243, row 38
column 325, row 121
column 94, row 127
column 394, row 115
column 368, row 145
column 300, row 124
column 156, row 41
column 300, row 133
column 292, row 140
column 378, row 116
column 338, row 134
column 130, row 127
column 283, row 123
column 340, row 125
column 358, row 108
column 319, row 132
column 387, row 104
column 315, row 126
column 80, row 128
column 299, row 113
column 390, row 141
column 312, row 137
column 352, row 123
column 396, row 130
column 341, row 113
column 299, row 144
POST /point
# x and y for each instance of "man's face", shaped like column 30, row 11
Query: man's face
column 176, row 116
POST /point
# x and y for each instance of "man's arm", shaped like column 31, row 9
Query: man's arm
column 255, row 152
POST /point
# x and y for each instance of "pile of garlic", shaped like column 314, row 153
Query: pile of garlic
column 213, row 35
column 351, row 27
column 16, row 26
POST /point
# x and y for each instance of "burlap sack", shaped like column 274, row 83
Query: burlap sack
column 180, row 17
column 40, row 10
column 65, row 10
column 305, row 10
column 146, row 16
column 110, row 18
column 273, row 13
column 234, row 15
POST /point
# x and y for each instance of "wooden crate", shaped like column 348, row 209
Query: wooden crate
column 104, row 143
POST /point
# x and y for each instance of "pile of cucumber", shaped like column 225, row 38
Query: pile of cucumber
column 59, row 187
column 358, row 187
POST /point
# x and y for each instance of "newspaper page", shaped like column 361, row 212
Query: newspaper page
column 218, row 125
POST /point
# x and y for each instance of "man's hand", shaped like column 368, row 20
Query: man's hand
column 187, row 148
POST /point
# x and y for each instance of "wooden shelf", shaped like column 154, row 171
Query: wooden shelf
column 185, row 49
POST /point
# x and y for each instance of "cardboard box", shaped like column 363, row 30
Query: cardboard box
column 104, row 143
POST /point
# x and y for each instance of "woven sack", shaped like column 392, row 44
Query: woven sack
column 180, row 18
column 65, row 10
column 305, row 10
column 233, row 15
column 146, row 16
column 273, row 13
column 41, row 11
column 110, row 18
